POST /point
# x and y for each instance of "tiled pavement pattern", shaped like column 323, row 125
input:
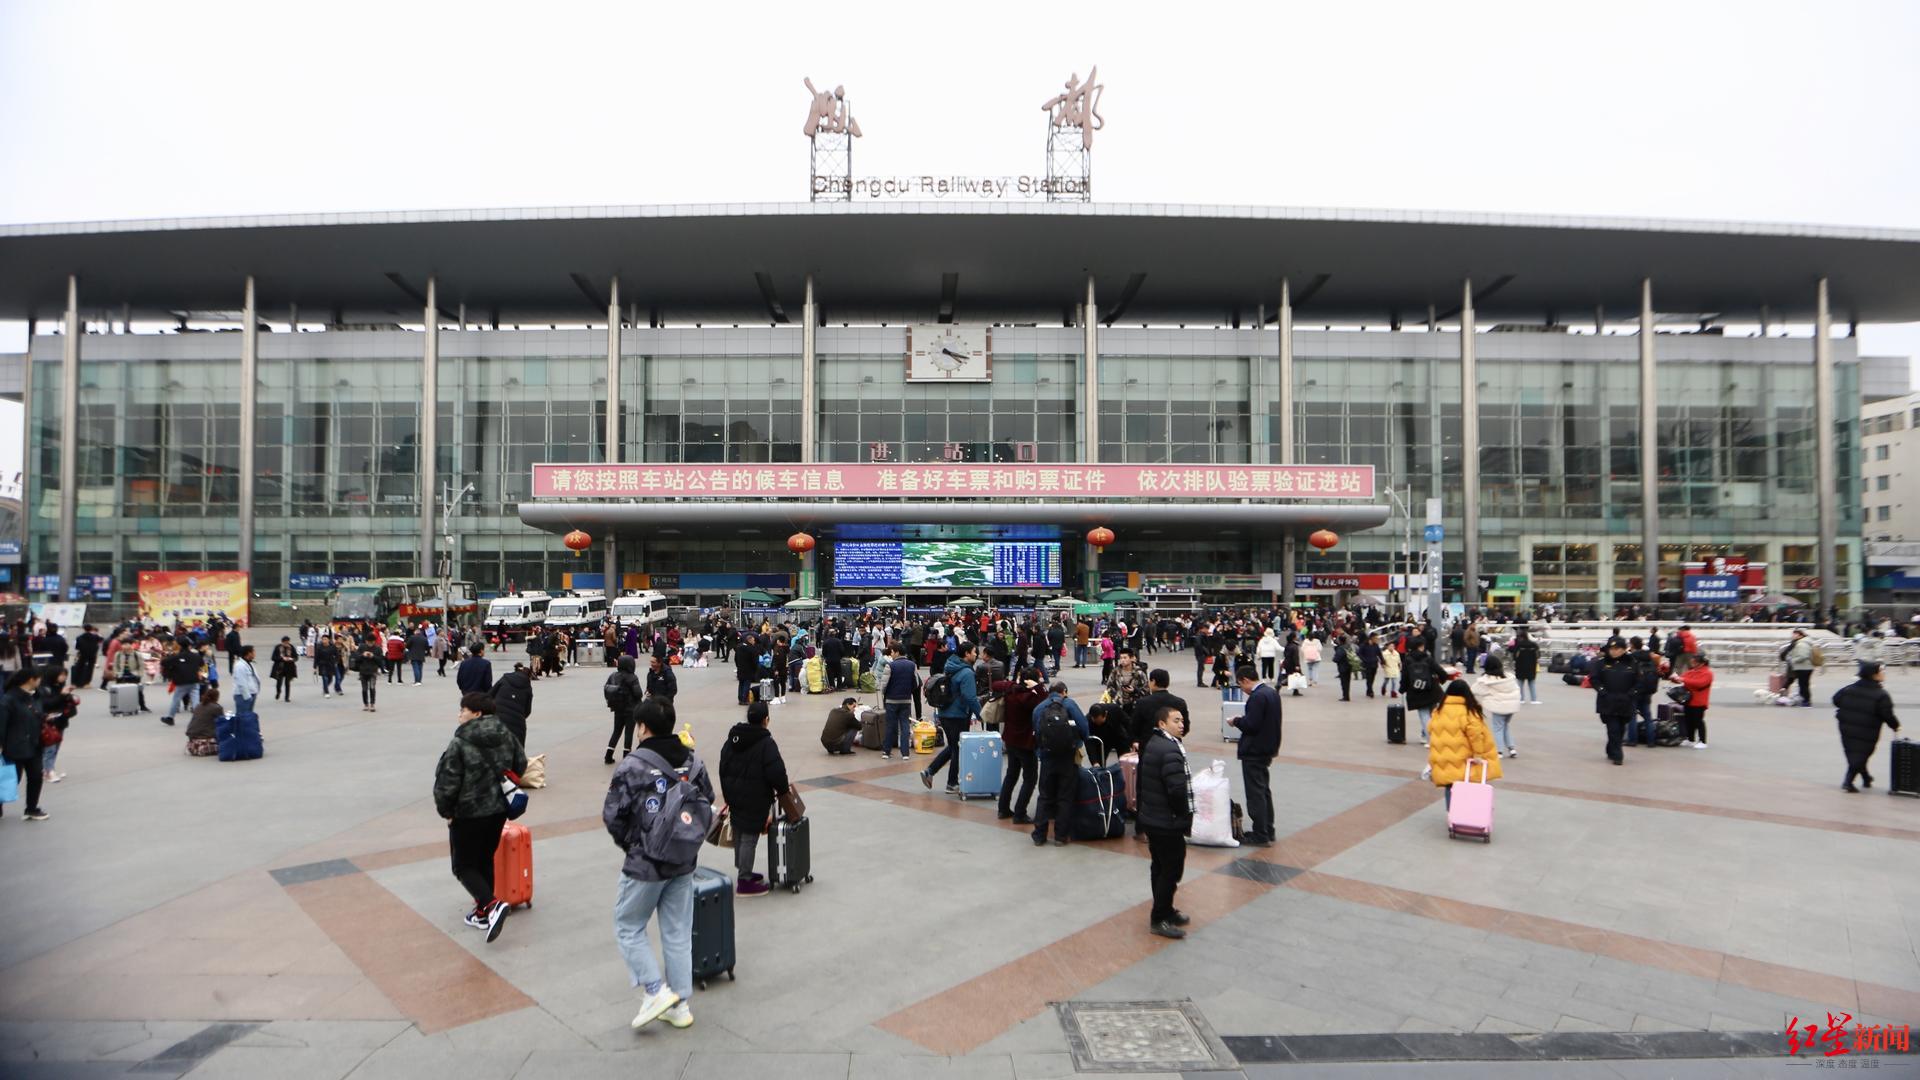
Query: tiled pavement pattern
column 294, row 916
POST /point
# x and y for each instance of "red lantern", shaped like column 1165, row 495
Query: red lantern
column 578, row 541
column 1323, row 539
column 799, row 543
column 1101, row 538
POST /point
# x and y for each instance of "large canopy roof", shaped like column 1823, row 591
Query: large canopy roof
column 962, row 261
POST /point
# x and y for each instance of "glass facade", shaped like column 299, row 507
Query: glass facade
column 339, row 434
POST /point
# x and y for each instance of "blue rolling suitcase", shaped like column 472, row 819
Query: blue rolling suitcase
column 982, row 757
column 238, row 737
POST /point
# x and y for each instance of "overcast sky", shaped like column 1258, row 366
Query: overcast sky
column 1752, row 111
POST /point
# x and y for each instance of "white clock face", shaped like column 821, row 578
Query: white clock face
column 944, row 352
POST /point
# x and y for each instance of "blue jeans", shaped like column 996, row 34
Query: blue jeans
column 188, row 695
column 1425, row 715
column 1313, row 671
column 1498, row 722
column 418, row 669
column 745, row 685
column 1529, row 691
column 339, row 678
column 1079, row 656
column 636, row 903
column 899, row 728
column 47, row 757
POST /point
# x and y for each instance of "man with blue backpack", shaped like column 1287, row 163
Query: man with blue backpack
column 1059, row 728
column 658, row 810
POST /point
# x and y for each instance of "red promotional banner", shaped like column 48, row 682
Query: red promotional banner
column 191, row 596
column 953, row 481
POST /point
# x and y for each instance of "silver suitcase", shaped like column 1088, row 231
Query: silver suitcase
column 123, row 699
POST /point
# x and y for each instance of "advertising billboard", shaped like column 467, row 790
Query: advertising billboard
column 191, row 596
column 912, row 564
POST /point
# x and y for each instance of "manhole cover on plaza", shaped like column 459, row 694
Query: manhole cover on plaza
column 1140, row 1036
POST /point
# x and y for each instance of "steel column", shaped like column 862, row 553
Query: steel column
column 69, row 437
column 1289, row 543
column 1090, row 390
column 428, row 468
column 249, row 396
column 1649, row 452
column 809, row 392
column 610, row 450
column 1826, row 485
column 1469, row 452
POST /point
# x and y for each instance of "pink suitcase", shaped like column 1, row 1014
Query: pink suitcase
column 1776, row 683
column 1130, row 775
column 1470, row 810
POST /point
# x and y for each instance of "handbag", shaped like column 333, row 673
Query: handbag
column 991, row 712
column 510, row 791
column 9, row 783
column 50, row 735
column 1680, row 695
column 792, row 807
column 721, row 834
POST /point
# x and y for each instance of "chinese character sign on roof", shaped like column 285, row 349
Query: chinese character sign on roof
column 828, row 113
column 1078, row 106
column 954, row 480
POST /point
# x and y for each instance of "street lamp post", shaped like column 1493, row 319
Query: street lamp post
column 446, row 565
column 1406, row 549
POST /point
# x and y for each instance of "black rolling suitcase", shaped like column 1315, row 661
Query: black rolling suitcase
column 1397, row 724
column 790, row 854
column 1904, row 777
column 712, row 925
column 1557, row 665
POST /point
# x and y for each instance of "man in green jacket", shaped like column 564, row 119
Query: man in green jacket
column 466, row 791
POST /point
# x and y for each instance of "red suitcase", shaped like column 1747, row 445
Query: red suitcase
column 513, row 866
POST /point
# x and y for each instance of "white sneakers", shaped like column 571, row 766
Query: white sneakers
column 679, row 1016
column 1700, row 746
column 655, row 1004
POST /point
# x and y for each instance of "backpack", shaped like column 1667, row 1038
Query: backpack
column 1055, row 728
column 1819, row 656
column 616, row 692
column 674, row 817
column 939, row 691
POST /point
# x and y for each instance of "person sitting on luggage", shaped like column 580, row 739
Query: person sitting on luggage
column 202, row 740
column 1457, row 732
column 752, row 776
column 843, row 728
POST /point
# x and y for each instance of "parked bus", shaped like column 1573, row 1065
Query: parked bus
column 389, row 601
column 511, row 617
column 639, row 608
column 586, row 608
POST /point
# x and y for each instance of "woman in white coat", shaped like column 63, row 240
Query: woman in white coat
column 1310, row 658
column 1268, row 650
column 1499, row 697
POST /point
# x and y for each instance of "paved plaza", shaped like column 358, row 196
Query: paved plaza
column 294, row 917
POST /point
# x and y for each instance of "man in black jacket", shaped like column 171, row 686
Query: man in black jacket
column 232, row 646
column 622, row 695
column 513, row 701
column 1861, row 708
column 475, row 673
column 86, row 649
column 1259, row 744
column 746, row 664
column 661, row 681
column 752, row 776
column 1165, row 807
column 1147, row 709
column 1616, row 680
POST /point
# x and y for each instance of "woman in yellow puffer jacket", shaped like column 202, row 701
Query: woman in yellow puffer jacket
column 1458, row 731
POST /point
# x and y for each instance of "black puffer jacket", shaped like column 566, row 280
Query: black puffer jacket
column 1615, row 685
column 1163, row 784
column 752, row 773
column 1861, row 707
column 20, row 717
column 513, row 697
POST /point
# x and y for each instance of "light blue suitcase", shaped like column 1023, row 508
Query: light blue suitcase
column 982, row 756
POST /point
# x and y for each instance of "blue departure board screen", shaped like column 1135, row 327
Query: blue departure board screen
column 911, row 564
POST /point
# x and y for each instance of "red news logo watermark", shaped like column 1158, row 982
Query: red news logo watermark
column 1863, row 1038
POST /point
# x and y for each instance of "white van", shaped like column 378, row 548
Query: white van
column 580, row 609
column 512, row 616
column 639, row 608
